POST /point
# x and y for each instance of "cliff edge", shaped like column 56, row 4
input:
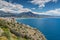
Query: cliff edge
column 12, row 30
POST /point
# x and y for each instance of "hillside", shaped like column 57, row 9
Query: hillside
column 12, row 30
column 23, row 15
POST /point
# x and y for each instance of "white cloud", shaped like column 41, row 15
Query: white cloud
column 18, row 8
column 42, row 3
column 55, row 12
column 13, row 8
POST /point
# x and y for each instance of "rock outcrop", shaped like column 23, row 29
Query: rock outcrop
column 12, row 30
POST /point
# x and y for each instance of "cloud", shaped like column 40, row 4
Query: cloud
column 42, row 3
column 55, row 12
column 13, row 8
column 18, row 8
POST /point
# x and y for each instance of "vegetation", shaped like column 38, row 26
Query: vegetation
column 10, row 30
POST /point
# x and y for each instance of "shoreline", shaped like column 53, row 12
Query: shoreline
column 25, row 28
column 29, row 18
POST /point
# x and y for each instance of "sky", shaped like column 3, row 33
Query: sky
column 47, row 7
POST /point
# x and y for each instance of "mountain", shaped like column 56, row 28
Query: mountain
column 22, row 15
column 28, row 14
column 6, row 14
column 12, row 30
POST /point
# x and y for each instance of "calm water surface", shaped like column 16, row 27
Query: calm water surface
column 50, row 27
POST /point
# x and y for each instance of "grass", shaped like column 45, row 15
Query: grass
column 8, row 35
column 20, row 38
column 3, row 38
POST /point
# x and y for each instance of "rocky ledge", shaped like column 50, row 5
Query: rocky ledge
column 12, row 30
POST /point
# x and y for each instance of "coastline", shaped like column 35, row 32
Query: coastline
column 30, row 30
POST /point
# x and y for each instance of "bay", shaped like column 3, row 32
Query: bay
column 50, row 27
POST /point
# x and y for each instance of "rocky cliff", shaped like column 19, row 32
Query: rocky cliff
column 12, row 30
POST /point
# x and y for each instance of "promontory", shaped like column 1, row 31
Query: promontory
column 10, row 29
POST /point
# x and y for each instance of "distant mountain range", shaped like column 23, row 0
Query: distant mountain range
column 23, row 15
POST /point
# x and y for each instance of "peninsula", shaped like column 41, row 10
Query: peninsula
column 12, row 30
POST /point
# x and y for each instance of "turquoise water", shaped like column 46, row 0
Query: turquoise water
column 50, row 27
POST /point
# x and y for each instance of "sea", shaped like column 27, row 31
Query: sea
column 50, row 27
